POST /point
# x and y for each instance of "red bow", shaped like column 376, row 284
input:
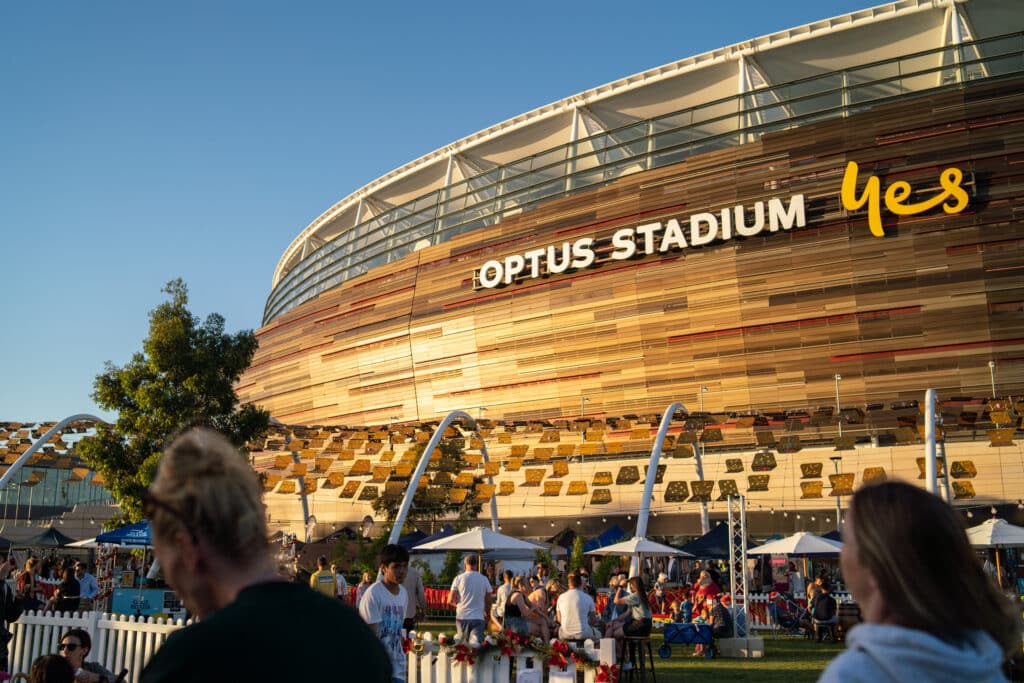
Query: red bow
column 607, row 674
column 464, row 654
column 558, row 660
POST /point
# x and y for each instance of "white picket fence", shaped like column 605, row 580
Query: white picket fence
column 757, row 612
column 435, row 664
column 118, row 641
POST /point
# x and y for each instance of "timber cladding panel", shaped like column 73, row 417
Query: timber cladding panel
column 766, row 321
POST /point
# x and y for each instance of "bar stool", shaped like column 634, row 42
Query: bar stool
column 631, row 644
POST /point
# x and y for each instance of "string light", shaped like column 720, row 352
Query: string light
column 970, row 515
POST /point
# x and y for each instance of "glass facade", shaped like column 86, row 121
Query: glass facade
column 601, row 159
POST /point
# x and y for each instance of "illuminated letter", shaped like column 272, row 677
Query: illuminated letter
column 490, row 274
column 781, row 217
column 553, row 265
column 950, row 179
column 749, row 230
column 648, row 230
column 513, row 266
column 871, row 197
column 624, row 245
column 583, row 255
column 673, row 237
column 726, row 231
column 533, row 256
column 697, row 239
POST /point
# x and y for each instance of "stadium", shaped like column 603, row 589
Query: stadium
column 794, row 236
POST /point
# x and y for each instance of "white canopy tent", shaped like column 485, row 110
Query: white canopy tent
column 996, row 533
column 801, row 544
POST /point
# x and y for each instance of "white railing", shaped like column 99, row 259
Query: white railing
column 430, row 662
column 118, row 641
column 757, row 608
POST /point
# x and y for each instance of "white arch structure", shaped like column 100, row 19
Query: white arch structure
column 421, row 466
column 652, row 473
column 9, row 474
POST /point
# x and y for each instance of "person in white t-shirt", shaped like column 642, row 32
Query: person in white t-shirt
column 501, row 597
column 797, row 585
column 470, row 595
column 576, row 611
column 341, row 585
column 383, row 606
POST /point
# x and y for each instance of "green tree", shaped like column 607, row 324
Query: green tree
column 576, row 559
column 184, row 376
column 452, row 565
column 604, row 569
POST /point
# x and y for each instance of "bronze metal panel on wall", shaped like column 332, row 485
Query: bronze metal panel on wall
column 765, row 322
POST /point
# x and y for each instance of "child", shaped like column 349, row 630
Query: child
column 686, row 609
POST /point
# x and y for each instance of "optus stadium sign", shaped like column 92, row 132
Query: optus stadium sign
column 704, row 228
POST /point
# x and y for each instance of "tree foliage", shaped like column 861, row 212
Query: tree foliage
column 576, row 559
column 184, row 376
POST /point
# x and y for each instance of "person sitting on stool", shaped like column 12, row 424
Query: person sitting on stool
column 823, row 611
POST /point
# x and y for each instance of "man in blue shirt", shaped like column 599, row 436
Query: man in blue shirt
column 88, row 588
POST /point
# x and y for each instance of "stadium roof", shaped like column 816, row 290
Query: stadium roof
column 753, row 68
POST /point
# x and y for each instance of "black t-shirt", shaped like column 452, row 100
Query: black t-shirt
column 69, row 591
column 721, row 626
column 823, row 607
column 273, row 631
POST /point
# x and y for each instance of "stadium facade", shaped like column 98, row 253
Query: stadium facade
column 829, row 214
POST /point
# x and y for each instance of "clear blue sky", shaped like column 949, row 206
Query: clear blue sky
column 143, row 141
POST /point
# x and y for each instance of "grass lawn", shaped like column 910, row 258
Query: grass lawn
column 787, row 660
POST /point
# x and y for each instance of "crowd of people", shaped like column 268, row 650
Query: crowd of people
column 929, row 609
column 76, row 590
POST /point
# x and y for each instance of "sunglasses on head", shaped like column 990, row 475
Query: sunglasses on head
column 70, row 647
column 150, row 504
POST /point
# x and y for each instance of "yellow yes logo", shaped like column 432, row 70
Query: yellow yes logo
column 954, row 196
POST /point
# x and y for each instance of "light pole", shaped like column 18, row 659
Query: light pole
column 702, row 389
column 992, row 376
column 480, row 412
column 836, row 459
column 583, row 405
column 839, row 410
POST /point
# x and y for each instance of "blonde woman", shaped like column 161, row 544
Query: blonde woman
column 366, row 582
column 205, row 509
column 29, row 589
column 541, row 622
